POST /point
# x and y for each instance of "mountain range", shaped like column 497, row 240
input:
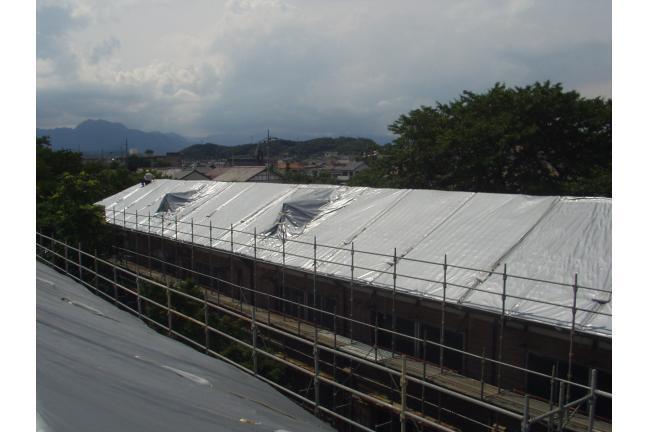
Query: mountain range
column 93, row 137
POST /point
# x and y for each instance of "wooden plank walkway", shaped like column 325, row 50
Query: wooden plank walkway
column 448, row 379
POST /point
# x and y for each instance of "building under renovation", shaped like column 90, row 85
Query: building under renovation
column 498, row 299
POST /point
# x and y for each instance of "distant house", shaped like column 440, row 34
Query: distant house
column 244, row 174
column 192, row 174
column 342, row 171
column 186, row 174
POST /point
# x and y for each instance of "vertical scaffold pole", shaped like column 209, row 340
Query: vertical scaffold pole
column 403, row 385
column 114, row 267
column 572, row 332
column 443, row 308
column 501, row 331
column 67, row 269
column 283, row 273
column 592, row 402
column 124, row 216
column 351, row 293
column 192, row 248
column 175, row 249
column 561, row 405
column 254, row 272
column 483, row 369
column 137, row 290
column 137, row 249
column 552, row 385
column 114, row 216
column 317, row 371
column 424, row 372
column 525, row 415
column 211, row 266
column 376, row 337
column 206, row 310
column 169, row 315
column 148, row 243
column 393, row 314
column 96, row 270
column 315, row 320
column 80, row 262
column 254, row 343
column 231, row 260
column 163, row 254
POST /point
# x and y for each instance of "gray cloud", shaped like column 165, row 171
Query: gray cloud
column 104, row 49
column 303, row 68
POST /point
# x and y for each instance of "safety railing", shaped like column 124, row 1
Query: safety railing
column 555, row 418
column 224, row 239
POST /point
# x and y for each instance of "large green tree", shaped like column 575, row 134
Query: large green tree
column 537, row 139
column 66, row 190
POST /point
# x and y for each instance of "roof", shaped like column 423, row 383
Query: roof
column 547, row 238
column 235, row 173
column 99, row 368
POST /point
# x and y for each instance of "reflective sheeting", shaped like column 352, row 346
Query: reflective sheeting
column 547, row 238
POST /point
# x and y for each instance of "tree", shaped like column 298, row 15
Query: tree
column 536, row 139
column 66, row 190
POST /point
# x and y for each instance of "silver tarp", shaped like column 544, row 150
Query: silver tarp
column 549, row 238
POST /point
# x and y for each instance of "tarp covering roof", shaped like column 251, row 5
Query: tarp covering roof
column 98, row 368
column 549, row 238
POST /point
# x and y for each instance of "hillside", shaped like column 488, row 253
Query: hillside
column 283, row 148
column 94, row 136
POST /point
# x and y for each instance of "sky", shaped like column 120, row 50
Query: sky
column 232, row 69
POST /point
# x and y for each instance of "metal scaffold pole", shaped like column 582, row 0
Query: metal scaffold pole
column 67, row 269
column 443, row 308
column 254, row 273
column 137, row 290
column 206, row 311
column 254, row 343
column 315, row 320
column 192, row 245
column 592, row 402
column 317, row 371
column 148, row 241
column 169, row 315
column 552, row 385
column 525, row 415
column 561, row 406
column 283, row 273
column 403, row 385
column 96, row 270
column 351, row 293
column 137, row 259
column 80, row 262
column 393, row 314
column 501, row 331
column 424, row 371
column 572, row 332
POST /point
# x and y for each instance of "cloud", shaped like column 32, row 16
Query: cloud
column 303, row 68
column 104, row 49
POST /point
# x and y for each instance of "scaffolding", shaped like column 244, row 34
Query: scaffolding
column 235, row 300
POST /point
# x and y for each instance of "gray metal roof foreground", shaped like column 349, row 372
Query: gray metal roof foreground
column 101, row 369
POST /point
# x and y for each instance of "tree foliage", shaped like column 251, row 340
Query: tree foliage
column 66, row 190
column 536, row 139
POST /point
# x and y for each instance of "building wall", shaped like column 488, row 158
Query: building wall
column 525, row 344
